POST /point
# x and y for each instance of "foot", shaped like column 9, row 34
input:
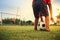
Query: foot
column 35, row 29
column 47, row 30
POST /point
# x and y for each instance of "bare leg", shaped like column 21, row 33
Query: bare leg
column 41, row 19
column 36, row 23
column 47, row 22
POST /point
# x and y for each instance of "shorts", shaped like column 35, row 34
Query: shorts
column 40, row 11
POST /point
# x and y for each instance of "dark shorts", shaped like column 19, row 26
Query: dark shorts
column 40, row 11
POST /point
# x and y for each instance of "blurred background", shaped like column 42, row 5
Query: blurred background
column 21, row 12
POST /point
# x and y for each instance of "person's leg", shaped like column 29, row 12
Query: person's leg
column 46, row 15
column 36, row 23
column 36, row 10
column 41, row 18
column 47, row 22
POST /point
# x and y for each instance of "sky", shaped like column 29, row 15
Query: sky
column 22, row 8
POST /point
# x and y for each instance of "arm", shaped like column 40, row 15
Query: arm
column 50, row 9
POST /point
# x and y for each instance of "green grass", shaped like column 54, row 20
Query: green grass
column 15, row 32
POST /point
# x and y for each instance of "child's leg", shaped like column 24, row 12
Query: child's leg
column 47, row 22
column 36, row 23
column 41, row 19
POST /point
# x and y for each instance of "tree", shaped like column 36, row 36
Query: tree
column 17, row 21
column 29, row 22
column 6, row 21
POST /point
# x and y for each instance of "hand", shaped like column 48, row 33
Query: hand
column 52, row 19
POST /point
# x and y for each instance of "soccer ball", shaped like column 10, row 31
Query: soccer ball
column 42, row 25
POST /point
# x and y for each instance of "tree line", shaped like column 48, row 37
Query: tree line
column 16, row 21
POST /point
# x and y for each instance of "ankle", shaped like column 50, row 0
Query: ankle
column 35, row 29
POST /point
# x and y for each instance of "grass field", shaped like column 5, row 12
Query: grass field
column 15, row 32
